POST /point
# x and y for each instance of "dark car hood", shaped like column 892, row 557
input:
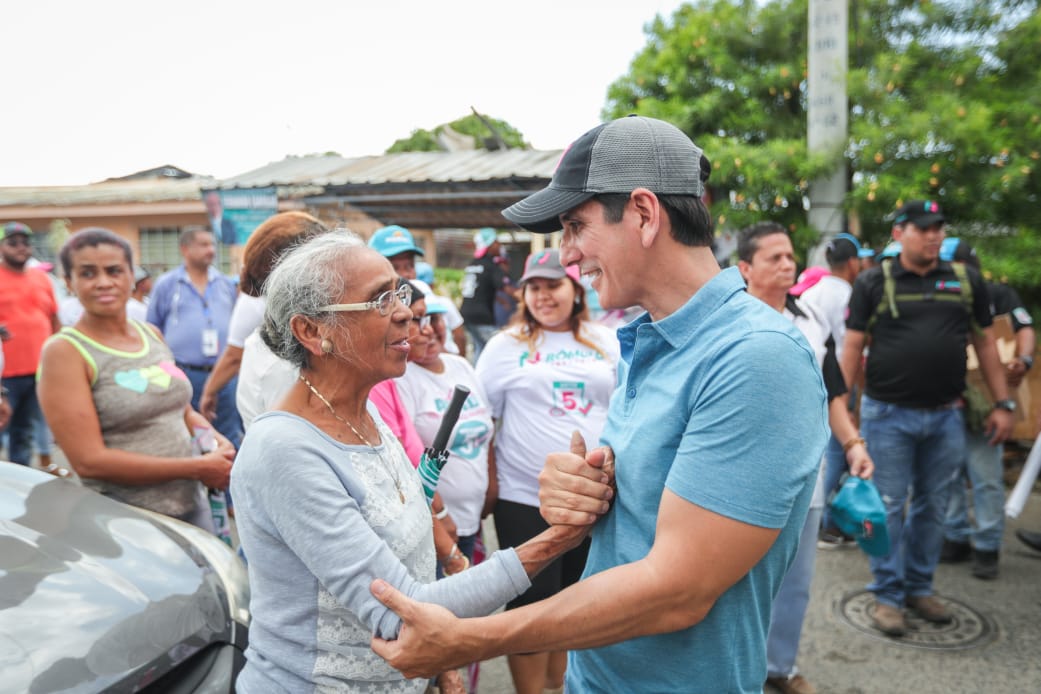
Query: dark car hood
column 94, row 594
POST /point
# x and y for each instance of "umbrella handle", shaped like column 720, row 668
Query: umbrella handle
column 435, row 457
column 459, row 396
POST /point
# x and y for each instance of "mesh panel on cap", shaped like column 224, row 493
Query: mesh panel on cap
column 635, row 152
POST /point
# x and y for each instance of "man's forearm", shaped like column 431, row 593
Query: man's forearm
column 621, row 603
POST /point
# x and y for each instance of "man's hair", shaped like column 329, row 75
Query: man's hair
column 689, row 218
column 189, row 233
column 92, row 237
column 748, row 238
column 269, row 242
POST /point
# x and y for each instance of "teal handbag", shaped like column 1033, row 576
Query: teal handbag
column 857, row 510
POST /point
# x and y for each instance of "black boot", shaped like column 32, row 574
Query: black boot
column 1030, row 539
column 986, row 565
column 955, row 552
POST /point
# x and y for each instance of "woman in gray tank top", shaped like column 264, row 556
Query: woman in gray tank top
column 117, row 404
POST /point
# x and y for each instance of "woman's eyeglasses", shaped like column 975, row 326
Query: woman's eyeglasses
column 422, row 321
column 382, row 303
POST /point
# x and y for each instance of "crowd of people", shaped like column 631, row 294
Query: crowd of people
column 658, row 489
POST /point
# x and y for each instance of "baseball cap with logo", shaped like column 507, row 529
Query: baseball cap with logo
column 392, row 240
column 483, row 240
column 616, row 157
column 922, row 213
column 12, row 228
column 546, row 264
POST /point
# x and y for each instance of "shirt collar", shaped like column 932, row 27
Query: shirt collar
column 941, row 266
column 678, row 327
column 182, row 273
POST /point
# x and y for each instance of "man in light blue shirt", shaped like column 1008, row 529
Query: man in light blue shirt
column 191, row 305
column 717, row 428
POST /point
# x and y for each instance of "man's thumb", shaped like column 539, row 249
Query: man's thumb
column 578, row 444
column 386, row 594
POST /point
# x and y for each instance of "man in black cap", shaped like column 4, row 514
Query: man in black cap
column 919, row 311
column 706, row 521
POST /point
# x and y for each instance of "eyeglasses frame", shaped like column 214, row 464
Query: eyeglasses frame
column 402, row 293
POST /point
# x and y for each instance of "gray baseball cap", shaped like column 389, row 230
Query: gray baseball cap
column 616, row 157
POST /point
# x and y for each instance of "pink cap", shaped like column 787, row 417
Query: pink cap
column 809, row 277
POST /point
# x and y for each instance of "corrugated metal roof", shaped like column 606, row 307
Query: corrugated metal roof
column 405, row 167
column 107, row 192
column 421, row 189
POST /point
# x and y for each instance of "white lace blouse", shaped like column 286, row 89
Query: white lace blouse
column 318, row 521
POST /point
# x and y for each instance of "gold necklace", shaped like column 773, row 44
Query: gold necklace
column 390, row 468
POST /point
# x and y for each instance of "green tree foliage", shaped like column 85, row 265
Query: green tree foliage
column 945, row 103
column 477, row 127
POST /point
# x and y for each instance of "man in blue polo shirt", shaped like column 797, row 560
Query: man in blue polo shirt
column 191, row 305
column 717, row 428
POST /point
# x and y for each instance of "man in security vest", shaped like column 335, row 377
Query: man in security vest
column 918, row 312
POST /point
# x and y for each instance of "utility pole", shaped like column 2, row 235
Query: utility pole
column 828, row 115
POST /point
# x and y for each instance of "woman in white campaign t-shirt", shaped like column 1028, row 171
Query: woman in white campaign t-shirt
column 426, row 390
column 550, row 372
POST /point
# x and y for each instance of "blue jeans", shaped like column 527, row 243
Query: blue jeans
column 981, row 465
column 915, row 452
column 480, row 334
column 25, row 410
column 834, row 465
column 228, row 421
column 42, row 436
column 789, row 609
column 466, row 545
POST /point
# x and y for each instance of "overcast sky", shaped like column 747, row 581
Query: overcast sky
column 108, row 87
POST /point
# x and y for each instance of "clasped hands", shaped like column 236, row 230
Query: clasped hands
column 575, row 489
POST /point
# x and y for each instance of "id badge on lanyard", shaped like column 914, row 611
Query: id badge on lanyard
column 210, row 342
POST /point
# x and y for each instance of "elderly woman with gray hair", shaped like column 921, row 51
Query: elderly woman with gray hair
column 327, row 500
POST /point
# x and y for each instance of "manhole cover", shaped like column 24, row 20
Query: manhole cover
column 969, row 629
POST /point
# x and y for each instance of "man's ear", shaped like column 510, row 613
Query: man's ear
column 650, row 214
column 307, row 333
column 745, row 268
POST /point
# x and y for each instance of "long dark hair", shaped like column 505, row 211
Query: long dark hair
column 531, row 330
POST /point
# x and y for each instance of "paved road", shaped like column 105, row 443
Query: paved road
column 841, row 658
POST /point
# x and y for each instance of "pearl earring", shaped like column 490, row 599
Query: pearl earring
column 327, row 345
